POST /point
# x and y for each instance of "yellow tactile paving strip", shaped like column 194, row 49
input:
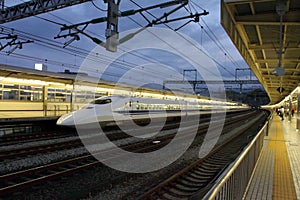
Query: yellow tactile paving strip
column 283, row 184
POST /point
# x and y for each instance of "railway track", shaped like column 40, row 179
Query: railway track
column 198, row 178
column 27, row 151
column 26, row 178
column 56, row 146
column 15, row 139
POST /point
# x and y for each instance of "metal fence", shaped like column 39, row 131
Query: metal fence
column 233, row 182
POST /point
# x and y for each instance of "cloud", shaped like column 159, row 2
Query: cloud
column 87, row 11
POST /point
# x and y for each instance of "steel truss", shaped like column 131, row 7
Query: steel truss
column 34, row 7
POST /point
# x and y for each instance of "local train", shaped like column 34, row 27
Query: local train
column 119, row 108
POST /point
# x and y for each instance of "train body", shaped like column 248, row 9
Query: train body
column 107, row 109
column 30, row 93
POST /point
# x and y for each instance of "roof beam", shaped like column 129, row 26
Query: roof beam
column 276, row 60
column 231, row 2
column 276, row 83
column 286, row 69
column 34, row 7
column 290, row 18
column 294, row 46
column 297, row 68
column 289, row 77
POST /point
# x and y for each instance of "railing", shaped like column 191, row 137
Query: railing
column 57, row 110
column 233, row 182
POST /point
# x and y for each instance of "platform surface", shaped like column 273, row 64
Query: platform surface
column 277, row 173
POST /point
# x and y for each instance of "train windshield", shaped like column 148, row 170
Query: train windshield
column 101, row 101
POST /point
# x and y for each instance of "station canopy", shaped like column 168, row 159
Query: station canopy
column 270, row 46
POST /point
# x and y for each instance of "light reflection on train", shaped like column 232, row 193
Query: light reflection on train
column 32, row 93
column 120, row 108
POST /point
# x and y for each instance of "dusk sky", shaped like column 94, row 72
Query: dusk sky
column 47, row 50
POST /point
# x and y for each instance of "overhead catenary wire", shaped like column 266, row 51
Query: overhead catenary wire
column 150, row 13
column 203, row 67
column 138, row 54
column 214, row 38
column 63, row 64
column 71, row 49
column 132, row 1
column 59, row 24
column 87, row 30
column 104, row 10
column 201, row 7
column 125, row 65
column 43, row 44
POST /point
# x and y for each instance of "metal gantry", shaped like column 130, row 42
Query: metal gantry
column 33, row 7
column 240, row 82
column 113, row 13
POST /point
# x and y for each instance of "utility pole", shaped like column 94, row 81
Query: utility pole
column 242, row 69
column 241, row 84
column 111, row 32
column 195, row 81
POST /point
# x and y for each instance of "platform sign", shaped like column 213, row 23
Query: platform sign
column 40, row 67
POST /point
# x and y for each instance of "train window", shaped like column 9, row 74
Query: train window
column 12, row 95
column 13, row 86
column 59, row 95
column 37, row 96
column 25, row 87
column 22, row 92
column 37, row 88
column 79, row 96
column 101, row 101
column 50, row 96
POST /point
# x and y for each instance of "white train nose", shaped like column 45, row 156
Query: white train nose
column 66, row 120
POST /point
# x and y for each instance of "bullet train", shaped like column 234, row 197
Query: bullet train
column 107, row 109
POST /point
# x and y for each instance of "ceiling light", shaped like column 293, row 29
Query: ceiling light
column 279, row 71
column 281, row 7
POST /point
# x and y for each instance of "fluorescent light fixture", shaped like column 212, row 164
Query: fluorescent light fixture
column 279, row 71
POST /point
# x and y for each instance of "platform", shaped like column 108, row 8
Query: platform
column 277, row 173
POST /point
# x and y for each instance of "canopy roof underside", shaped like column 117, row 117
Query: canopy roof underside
column 254, row 27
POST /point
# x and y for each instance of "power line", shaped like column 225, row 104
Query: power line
column 81, row 52
column 52, row 44
column 98, row 6
column 216, row 41
column 149, row 13
column 125, row 65
column 197, row 5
